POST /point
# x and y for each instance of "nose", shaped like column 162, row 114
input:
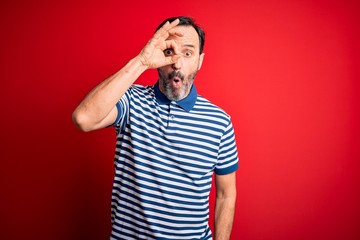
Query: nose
column 178, row 64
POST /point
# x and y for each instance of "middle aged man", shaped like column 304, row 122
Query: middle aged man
column 170, row 141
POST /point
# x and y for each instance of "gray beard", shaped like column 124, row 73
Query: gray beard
column 168, row 89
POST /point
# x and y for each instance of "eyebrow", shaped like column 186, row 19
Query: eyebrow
column 189, row 45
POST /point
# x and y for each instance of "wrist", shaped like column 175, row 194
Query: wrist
column 142, row 61
column 137, row 65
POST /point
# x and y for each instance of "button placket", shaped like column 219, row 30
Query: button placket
column 171, row 116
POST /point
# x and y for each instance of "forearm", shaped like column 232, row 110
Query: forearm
column 224, row 216
column 102, row 99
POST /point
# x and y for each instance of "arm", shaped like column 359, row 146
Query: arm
column 225, row 205
column 98, row 109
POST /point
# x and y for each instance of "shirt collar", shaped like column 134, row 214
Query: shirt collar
column 186, row 103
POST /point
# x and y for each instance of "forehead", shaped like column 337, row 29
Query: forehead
column 189, row 36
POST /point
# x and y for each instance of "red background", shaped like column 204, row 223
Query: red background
column 286, row 71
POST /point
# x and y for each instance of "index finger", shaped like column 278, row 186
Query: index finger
column 164, row 30
column 174, row 23
column 174, row 32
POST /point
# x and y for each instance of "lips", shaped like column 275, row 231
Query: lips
column 175, row 82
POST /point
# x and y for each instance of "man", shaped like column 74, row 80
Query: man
column 170, row 140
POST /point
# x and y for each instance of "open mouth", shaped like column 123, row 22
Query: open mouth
column 175, row 82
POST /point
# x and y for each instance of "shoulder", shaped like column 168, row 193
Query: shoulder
column 212, row 114
column 138, row 90
column 209, row 108
column 141, row 88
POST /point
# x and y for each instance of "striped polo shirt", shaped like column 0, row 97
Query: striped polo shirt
column 166, row 153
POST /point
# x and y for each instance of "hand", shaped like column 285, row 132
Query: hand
column 152, row 55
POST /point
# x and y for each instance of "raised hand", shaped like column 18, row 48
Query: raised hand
column 152, row 55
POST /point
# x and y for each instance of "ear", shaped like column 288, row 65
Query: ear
column 201, row 59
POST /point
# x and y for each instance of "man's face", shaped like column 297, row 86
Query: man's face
column 175, row 80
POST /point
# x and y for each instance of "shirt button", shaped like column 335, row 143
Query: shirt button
column 172, row 117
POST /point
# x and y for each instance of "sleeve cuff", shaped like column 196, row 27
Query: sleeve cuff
column 227, row 170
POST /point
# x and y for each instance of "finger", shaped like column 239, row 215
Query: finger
column 172, row 44
column 167, row 26
column 161, row 30
column 164, row 30
column 170, row 28
column 174, row 23
column 176, row 33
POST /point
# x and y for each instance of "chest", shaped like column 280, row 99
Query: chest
column 188, row 141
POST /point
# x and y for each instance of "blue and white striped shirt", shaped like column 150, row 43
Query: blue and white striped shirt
column 166, row 153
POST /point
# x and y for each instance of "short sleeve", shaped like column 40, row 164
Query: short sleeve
column 123, row 110
column 227, row 156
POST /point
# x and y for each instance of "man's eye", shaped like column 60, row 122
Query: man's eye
column 168, row 52
column 188, row 53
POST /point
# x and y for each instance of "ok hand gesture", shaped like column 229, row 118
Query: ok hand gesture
column 152, row 55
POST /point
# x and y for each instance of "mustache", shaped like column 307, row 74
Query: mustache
column 176, row 74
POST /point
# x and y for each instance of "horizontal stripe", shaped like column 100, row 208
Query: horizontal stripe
column 163, row 191
column 180, row 167
column 164, row 160
column 148, row 177
column 170, row 204
column 163, row 205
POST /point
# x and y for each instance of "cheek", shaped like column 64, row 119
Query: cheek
column 192, row 65
column 162, row 71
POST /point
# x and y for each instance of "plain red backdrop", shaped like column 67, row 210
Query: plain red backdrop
column 286, row 71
